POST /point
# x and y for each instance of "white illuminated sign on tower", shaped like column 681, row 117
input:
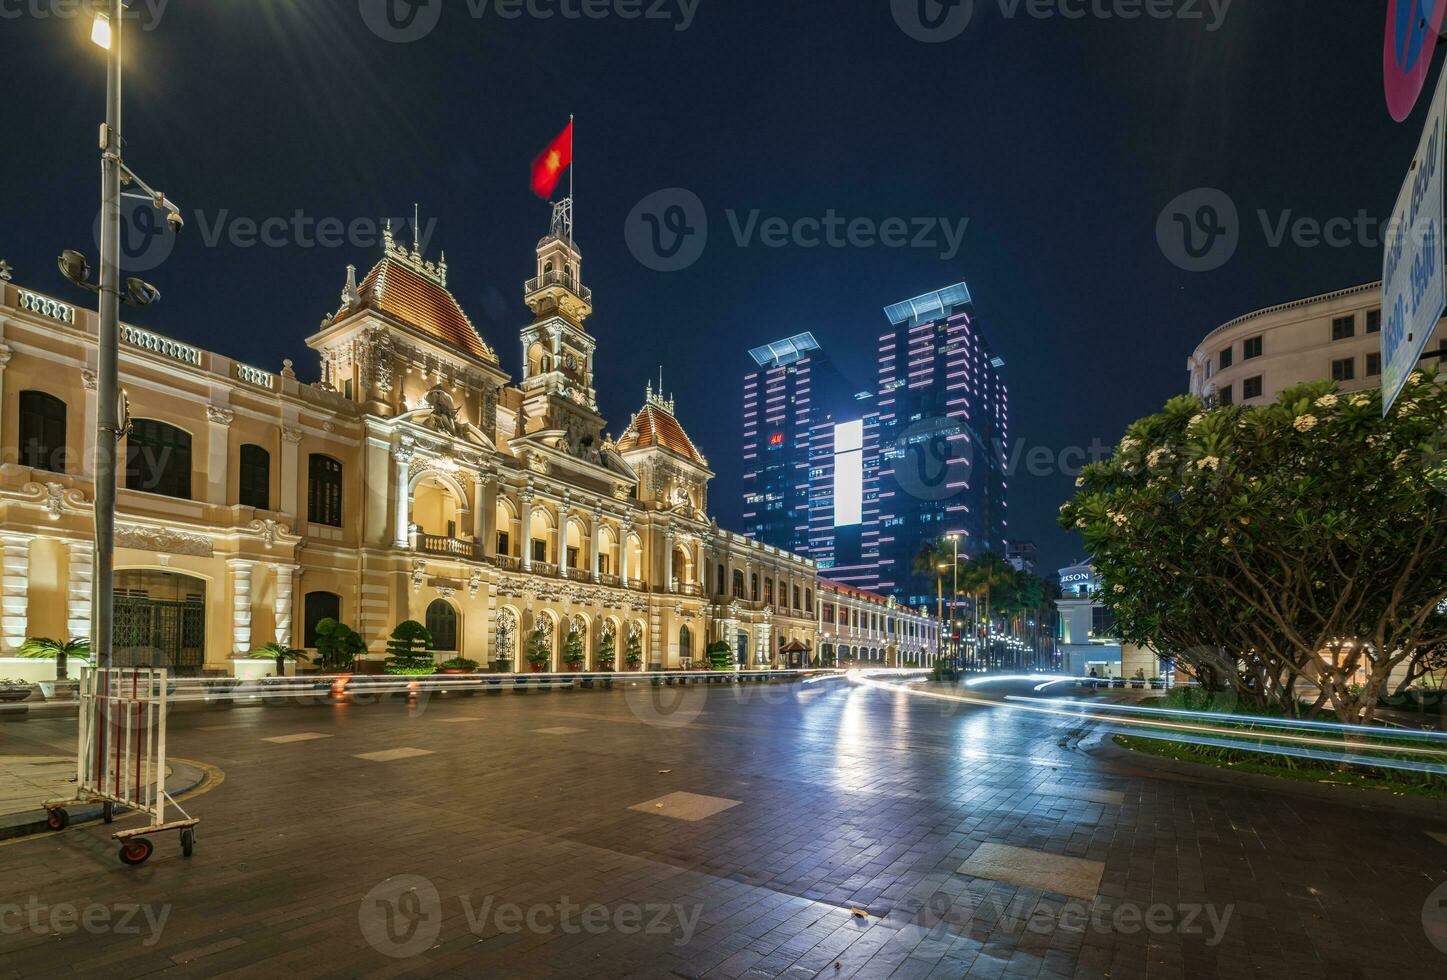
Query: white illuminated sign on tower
column 849, row 473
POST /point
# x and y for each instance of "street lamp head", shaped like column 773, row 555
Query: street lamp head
column 100, row 30
column 141, row 293
column 74, row 267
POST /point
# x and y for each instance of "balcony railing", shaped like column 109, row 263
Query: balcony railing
column 439, row 544
column 556, row 278
column 580, row 575
column 506, row 562
column 612, row 581
column 544, row 568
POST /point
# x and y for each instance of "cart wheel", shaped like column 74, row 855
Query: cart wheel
column 188, row 841
column 57, row 819
column 108, row 813
column 136, row 851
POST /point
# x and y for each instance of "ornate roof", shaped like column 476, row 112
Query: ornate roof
column 407, row 288
column 654, row 425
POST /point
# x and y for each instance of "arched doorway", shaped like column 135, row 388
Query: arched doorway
column 160, row 621
column 442, row 624
column 685, row 646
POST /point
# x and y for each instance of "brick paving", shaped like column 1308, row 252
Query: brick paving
column 491, row 849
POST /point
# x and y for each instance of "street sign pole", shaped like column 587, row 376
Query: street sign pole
column 1414, row 279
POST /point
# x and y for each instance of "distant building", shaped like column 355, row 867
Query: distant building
column 1251, row 359
column 943, row 417
column 1088, row 640
column 1021, row 555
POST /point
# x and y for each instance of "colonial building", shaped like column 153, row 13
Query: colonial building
column 859, row 627
column 415, row 480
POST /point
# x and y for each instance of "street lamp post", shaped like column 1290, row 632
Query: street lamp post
column 955, row 603
column 107, row 31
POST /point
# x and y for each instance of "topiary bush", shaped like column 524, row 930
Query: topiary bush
column 409, row 649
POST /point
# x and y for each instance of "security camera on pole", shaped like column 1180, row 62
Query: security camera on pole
column 111, row 413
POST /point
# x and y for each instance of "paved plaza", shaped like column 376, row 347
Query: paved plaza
column 823, row 829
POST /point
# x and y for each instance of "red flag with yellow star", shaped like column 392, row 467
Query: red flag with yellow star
column 549, row 166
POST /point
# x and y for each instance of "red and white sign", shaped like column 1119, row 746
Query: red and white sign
column 1413, row 27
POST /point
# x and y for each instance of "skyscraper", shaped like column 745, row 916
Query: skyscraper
column 789, row 401
column 859, row 480
column 943, row 428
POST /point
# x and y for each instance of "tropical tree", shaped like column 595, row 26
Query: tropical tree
column 281, row 653
column 1296, row 550
column 980, row 577
column 44, row 648
column 409, row 649
column 338, row 646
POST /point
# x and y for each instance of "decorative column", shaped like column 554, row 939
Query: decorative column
column 15, row 575
column 564, row 507
column 240, row 605
column 525, row 500
column 484, row 514
column 668, row 560
column 764, row 649
column 402, row 503
column 79, row 588
column 593, row 542
column 282, row 607
column 218, row 429
column 626, row 530
column 87, row 465
column 5, row 354
column 290, row 466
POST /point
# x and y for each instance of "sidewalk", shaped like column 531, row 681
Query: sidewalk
column 27, row 781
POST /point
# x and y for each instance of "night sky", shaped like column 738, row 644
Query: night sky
column 1060, row 140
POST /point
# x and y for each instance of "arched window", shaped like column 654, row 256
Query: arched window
column 158, row 459
column 324, row 491
column 255, row 478
column 316, row 607
column 42, row 431
column 754, row 587
column 442, row 624
column 685, row 642
column 769, row 591
column 796, row 597
column 738, row 584
column 722, row 580
column 808, row 600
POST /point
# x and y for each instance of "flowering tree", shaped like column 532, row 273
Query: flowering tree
column 1264, row 547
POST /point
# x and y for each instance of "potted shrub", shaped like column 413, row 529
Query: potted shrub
column 458, row 665
column 633, row 656
column 607, row 656
column 281, row 653
column 12, row 691
column 573, row 651
column 409, row 652
column 719, row 656
column 1158, row 683
column 61, row 651
column 338, row 647
column 538, row 654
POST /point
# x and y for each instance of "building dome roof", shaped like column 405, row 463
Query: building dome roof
column 654, row 426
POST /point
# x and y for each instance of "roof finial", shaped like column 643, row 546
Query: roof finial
column 387, row 235
column 417, row 230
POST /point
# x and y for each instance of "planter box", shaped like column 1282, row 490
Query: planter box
column 247, row 669
column 33, row 671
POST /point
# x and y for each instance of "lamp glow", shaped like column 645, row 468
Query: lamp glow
column 100, row 30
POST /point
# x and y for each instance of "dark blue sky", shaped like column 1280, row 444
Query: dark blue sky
column 1060, row 140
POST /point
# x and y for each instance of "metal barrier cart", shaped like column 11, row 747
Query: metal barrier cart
column 121, row 757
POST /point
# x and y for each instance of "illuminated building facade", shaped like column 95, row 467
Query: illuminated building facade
column 943, row 423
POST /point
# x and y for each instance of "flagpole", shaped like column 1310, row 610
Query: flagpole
column 572, row 201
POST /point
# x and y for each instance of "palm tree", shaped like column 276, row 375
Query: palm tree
column 933, row 558
column 982, row 575
column 44, row 648
column 281, row 652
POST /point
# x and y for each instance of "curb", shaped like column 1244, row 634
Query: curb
column 1106, row 750
column 184, row 778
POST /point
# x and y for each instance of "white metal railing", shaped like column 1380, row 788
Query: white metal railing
column 255, row 376
column 164, row 346
column 121, row 755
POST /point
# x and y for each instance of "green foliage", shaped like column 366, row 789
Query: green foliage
column 44, row 648
column 338, row 647
column 537, row 648
column 409, row 649
column 633, row 655
column 279, row 652
column 459, row 663
column 719, row 656
column 573, row 649
column 607, row 653
column 1291, row 543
